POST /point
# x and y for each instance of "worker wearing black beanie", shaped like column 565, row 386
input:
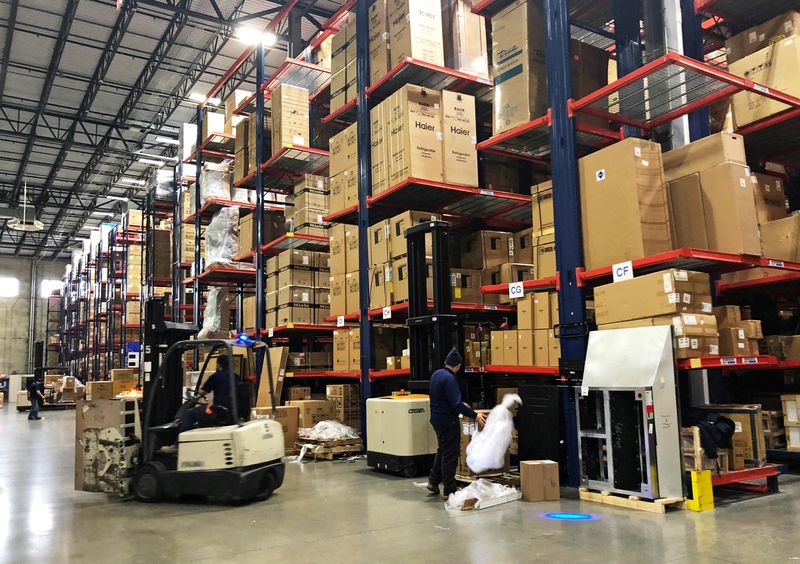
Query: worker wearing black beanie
column 446, row 405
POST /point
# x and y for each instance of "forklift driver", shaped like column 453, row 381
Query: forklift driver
column 211, row 415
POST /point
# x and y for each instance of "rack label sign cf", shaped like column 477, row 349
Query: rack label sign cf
column 622, row 271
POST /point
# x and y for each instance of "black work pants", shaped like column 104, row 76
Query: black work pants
column 444, row 465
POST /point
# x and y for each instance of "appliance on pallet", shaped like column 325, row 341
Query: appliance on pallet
column 628, row 424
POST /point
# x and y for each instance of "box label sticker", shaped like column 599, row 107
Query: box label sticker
column 515, row 290
column 622, row 271
column 690, row 320
column 387, row 312
column 667, row 283
column 340, row 321
column 707, row 308
column 713, row 349
column 741, row 333
column 683, row 343
column 681, row 275
column 695, row 344
column 687, row 298
column 270, row 332
column 600, row 175
column 738, row 426
column 637, row 151
column 674, row 298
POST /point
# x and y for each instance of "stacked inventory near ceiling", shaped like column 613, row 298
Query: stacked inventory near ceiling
column 553, row 163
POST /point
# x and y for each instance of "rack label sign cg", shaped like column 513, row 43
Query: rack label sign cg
column 515, row 290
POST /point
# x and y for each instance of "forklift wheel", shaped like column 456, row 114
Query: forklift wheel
column 146, row 485
column 266, row 487
column 410, row 471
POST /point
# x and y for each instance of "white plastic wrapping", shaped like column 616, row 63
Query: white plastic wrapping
column 163, row 182
column 214, row 183
column 328, row 431
column 480, row 490
column 222, row 237
column 216, row 317
column 240, row 194
column 487, row 449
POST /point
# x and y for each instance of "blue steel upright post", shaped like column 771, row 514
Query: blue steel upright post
column 364, row 191
column 198, row 161
column 566, row 202
column 177, row 244
column 693, row 47
column 259, row 211
column 629, row 52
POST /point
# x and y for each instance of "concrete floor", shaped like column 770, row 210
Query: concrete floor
column 344, row 512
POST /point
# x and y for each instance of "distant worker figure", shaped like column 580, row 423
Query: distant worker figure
column 36, row 396
column 446, row 405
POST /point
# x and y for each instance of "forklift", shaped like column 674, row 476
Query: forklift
column 238, row 460
column 118, row 450
column 400, row 438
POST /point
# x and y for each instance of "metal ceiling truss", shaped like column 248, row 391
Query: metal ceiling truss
column 47, row 87
column 12, row 23
column 165, row 43
column 179, row 94
column 234, row 19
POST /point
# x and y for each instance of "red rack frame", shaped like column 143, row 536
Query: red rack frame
column 754, row 362
column 402, row 307
column 285, row 165
column 217, row 150
column 212, row 206
column 539, row 285
column 290, row 241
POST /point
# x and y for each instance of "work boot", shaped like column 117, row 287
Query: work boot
column 433, row 489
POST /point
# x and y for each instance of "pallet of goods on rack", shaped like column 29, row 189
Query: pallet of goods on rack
column 741, row 14
column 217, row 147
column 212, row 206
column 286, row 165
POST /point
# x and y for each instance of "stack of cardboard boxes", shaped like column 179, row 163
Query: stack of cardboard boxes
column 310, row 206
column 344, row 72
column 534, row 342
column 737, row 336
column 343, row 170
column 783, row 347
column 433, row 136
column 768, row 54
column 520, row 74
column 791, row 421
column 678, row 298
column 306, row 360
column 290, row 117
column 274, row 226
column 347, row 400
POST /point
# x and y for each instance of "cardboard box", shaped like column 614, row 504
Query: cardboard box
column 355, row 349
column 485, row 249
column 338, row 249
column 543, row 211
column 415, row 30
column 780, row 239
column 468, row 428
column 791, row 409
column 379, row 235
column 500, row 175
column 338, row 295
column 96, row 390
column 341, row 350
column 704, row 153
column 378, row 40
column 727, row 316
column 343, row 150
column 544, row 256
column 715, row 209
column 299, row 393
column 296, row 276
column 526, row 308
column 541, row 310
column 466, row 285
column 541, row 348
column 624, row 208
column 752, row 329
column 290, row 117
column 379, row 295
column 769, row 197
column 213, row 122
column 351, row 292
column 351, row 248
column 774, row 67
column 652, row 295
column 295, row 314
column 526, row 353
column 274, row 227
column 695, row 334
column 539, row 480
column 415, row 146
column 312, row 412
column 510, row 356
column 379, row 147
column 523, row 246
column 762, row 36
column 790, row 347
column 232, row 101
column 554, row 349
column 459, row 135
column 399, row 283
column 403, row 221
column 465, row 42
column 496, row 339
column 505, row 274
column 733, row 342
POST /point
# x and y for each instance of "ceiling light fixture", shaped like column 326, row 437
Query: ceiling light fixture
column 103, row 214
column 133, row 181
column 25, row 224
column 201, row 99
column 253, row 36
column 117, row 198
column 167, row 140
column 151, row 162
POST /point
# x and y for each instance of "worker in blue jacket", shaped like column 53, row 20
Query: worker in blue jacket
column 446, row 405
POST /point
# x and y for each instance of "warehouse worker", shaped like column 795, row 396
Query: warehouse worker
column 208, row 415
column 446, row 405
column 36, row 396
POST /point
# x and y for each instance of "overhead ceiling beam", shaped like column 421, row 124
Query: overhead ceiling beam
column 47, row 87
column 165, row 43
column 12, row 23
column 181, row 91
column 231, row 21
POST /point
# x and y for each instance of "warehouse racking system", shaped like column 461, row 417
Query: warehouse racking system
column 659, row 92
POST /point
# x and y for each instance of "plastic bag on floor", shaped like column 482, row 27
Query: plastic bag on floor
column 480, row 490
column 487, row 449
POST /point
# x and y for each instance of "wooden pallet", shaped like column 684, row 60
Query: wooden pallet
column 328, row 449
column 632, row 502
column 694, row 455
column 506, row 479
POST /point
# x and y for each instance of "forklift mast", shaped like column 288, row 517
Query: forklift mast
column 159, row 334
column 431, row 330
